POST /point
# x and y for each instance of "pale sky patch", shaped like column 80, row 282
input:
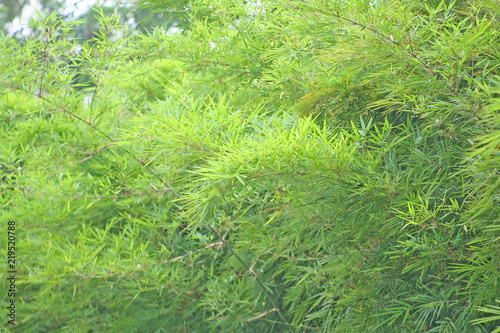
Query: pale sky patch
column 77, row 7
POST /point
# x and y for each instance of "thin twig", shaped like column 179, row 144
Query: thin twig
column 13, row 117
column 261, row 315
column 93, row 98
column 74, row 197
column 92, row 155
column 218, row 244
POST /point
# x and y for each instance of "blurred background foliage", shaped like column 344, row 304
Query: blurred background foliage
column 140, row 16
column 265, row 166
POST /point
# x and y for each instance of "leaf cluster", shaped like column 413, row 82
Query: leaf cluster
column 312, row 166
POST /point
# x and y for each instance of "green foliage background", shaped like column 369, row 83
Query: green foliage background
column 310, row 166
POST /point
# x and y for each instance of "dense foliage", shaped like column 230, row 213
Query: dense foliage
column 309, row 166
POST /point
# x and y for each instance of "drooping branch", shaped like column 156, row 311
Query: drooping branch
column 375, row 31
column 89, row 123
column 169, row 188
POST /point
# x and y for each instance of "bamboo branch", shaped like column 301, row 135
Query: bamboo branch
column 143, row 163
column 375, row 31
column 89, row 123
